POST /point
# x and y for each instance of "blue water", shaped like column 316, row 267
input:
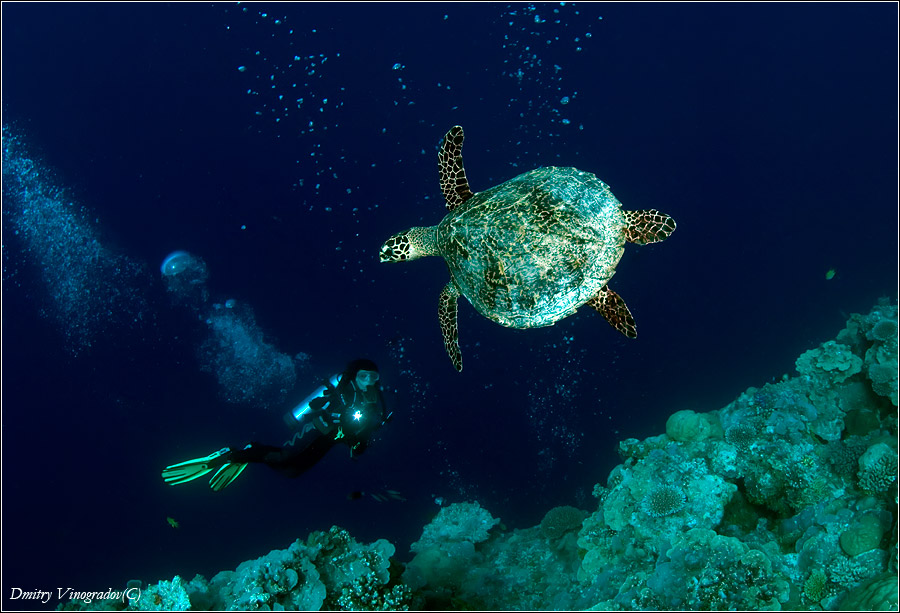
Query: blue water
column 767, row 131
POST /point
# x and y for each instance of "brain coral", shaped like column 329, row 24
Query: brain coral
column 876, row 594
column 862, row 537
column 884, row 331
column 560, row 520
column 684, row 426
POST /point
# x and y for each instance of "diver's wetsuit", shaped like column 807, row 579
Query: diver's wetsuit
column 345, row 414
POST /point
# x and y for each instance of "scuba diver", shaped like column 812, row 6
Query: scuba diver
column 347, row 408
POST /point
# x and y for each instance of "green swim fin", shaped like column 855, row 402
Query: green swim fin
column 225, row 475
column 194, row 469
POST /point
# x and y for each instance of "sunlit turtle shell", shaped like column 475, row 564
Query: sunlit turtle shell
column 529, row 251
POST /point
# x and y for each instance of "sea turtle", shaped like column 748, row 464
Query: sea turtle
column 530, row 251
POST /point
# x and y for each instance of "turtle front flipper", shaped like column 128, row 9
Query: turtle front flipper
column 447, row 317
column 454, row 184
column 649, row 226
column 613, row 308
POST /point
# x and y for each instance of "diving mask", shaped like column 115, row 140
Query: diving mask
column 365, row 378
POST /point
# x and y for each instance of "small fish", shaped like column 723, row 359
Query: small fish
column 830, row 274
column 172, row 522
column 382, row 496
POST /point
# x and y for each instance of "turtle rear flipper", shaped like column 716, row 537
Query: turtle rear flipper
column 614, row 310
column 447, row 316
column 648, row 226
column 454, row 184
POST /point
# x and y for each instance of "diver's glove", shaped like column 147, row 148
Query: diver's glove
column 330, row 401
column 252, row 452
column 317, row 403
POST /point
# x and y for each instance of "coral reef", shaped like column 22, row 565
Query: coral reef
column 786, row 498
column 464, row 522
column 331, row 571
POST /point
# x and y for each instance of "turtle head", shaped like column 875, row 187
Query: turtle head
column 410, row 245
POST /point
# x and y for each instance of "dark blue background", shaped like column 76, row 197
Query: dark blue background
column 768, row 131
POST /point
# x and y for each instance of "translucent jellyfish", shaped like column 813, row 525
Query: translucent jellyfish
column 248, row 367
column 185, row 278
column 176, row 262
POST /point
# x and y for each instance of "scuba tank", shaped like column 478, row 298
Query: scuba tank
column 294, row 417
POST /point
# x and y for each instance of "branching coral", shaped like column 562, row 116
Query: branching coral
column 366, row 594
column 849, row 572
column 662, row 501
column 741, row 436
column 814, row 588
column 877, row 469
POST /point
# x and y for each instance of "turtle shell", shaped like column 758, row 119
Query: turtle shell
column 530, row 251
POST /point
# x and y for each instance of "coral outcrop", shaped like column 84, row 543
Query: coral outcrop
column 786, row 498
